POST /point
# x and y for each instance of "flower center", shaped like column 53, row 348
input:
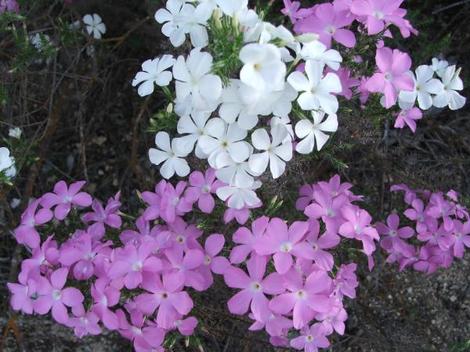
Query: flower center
column 164, row 295
column 330, row 29
column 207, row 260
column 392, row 233
column 175, row 201
column 388, row 76
column 286, row 247
column 379, row 14
column 56, row 295
column 180, row 239
column 206, row 189
column 137, row 266
column 309, row 338
column 136, row 330
column 301, row 294
column 258, row 67
column 256, row 286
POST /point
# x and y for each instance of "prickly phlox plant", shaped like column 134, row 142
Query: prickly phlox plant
column 245, row 96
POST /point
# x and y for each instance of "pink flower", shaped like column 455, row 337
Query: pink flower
column 461, row 238
column 201, row 189
column 142, row 332
column 283, row 242
column 9, row 5
column 347, row 82
column 81, row 253
column 329, row 240
column 26, row 233
column 134, row 265
column 105, row 296
column 25, row 293
column 393, row 234
column 378, row 14
column 274, row 324
column 42, row 257
column 311, row 339
column 328, row 22
column 291, row 9
column 306, row 197
column 246, row 239
column 65, row 197
column 254, row 287
column 101, row 216
column 304, row 299
column 334, row 319
column 213, row 263
column 184, row 267
column 358, row 226
column 85, row 323
column 184, row 235
column 240, row 215
column 328, row 208
column 58, row 297
column 186, row 326
column 408, row 117
column 165, row 294
column 392, row 76
column 173, row 203
column 346, row 281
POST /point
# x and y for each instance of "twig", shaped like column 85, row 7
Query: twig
column 445, row 8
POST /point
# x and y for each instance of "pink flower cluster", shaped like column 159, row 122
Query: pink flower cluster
column 134, row 281
column 304, row 295
column 9, row 6
column 439, row 231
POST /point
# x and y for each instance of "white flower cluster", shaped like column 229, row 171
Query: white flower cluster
column 7, row 163
column 435, row 85
column 243, row 127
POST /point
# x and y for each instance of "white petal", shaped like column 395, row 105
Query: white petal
column 321, row 138
column 284, row 151
column 156, row 156
column 306, row 145
column 303, row 128
column 298, row 81
column 239, row 151
column 199, row 36
column 424, row 100
column 162, row 140
column 276, row 166
column 260, row 139
column 258, row 163
column 180, row 70
column 167, row 170
column 210, row 87
column 330, row 124
column 456, row 101
column 181, row 167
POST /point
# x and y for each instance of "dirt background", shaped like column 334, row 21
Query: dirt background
column 85, row 121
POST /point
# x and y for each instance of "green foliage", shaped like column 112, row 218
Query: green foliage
column 461, row 347
column 225, row 43
column 165, row 120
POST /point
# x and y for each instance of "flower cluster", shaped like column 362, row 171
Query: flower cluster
column 91, row 274
column 393, row 77
column 9, row 6
column 7, row 164
column 303, row 297
column 240, row 122
column 439, row 231
column 248, row 105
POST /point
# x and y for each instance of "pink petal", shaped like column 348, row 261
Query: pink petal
column 240, row 303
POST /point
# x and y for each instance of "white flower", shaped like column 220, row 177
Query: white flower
column 154, row 72
column 236, row 174
column 233, row 108
column 263, row 68
column 276, row 152
column 317, row 51
column 194, row 126
column 7, row 162
column 265, row 102
column 171, row 155
column 40, row 41
column 94, row 25
column 180, row 18
column 224, row 144
column 15, row 202
column 239, row 197
column 313, row 133
column 439, row 66
column 448, row 95
column 425, row 85
column 228, row 7
column 284, row 121
column 316, row 88
column 196, row 87
column 15, row 132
